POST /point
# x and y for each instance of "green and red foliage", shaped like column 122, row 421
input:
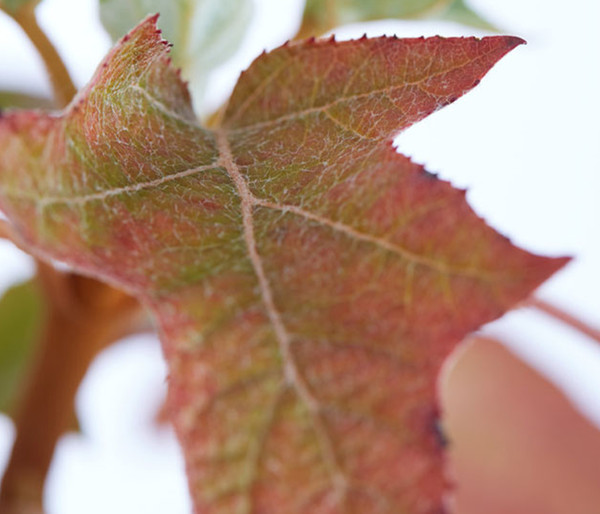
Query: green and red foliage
column 307, row 281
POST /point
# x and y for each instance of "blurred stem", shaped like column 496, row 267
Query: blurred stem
column 6, row 231
column 74, row 334
column 565, row 317
column 62, row 85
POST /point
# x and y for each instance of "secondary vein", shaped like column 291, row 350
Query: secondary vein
column 381, row 243
column 46, row 201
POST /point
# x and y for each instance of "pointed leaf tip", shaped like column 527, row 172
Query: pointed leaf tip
column 217, row 28
column 140, row 56
column 516, row 41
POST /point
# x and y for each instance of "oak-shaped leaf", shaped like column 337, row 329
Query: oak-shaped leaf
column 307, row 280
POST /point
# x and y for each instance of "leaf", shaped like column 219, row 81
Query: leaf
column 204, row 33
column 321, row 16
column 460, row 12
column 517, row 445
column 21, row 314
column 307, row 280
column 12, row 6
column 23, row 100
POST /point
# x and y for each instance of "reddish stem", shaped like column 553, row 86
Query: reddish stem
column 62, row 85
column 565, row 317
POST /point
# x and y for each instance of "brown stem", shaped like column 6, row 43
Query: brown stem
column 71, row 340
column 62, row 85
column 565, row 317
column 5, row 230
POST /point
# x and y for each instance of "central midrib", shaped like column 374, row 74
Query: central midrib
column 292, row 375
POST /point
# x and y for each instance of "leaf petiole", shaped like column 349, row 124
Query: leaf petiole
column 565, row 317
column 62, row 84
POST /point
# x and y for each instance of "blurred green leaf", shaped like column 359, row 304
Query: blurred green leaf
column 24, row 101
column 204, row 33
column 21, row 315
column 323, row 15
column 461, row 13
column 11, row 6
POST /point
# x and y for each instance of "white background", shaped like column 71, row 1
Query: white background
column 526, row 143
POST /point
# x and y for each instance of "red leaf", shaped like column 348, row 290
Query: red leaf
column 307, row 280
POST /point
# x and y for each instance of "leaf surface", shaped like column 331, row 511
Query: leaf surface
column 321, row 16
column 204, row 33
column 307, row 280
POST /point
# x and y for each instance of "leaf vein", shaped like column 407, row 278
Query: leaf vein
column 46, row 201
column 337, row 226
column 162, row 107
column 292, row 374
column 345, row 127
column 255, row 454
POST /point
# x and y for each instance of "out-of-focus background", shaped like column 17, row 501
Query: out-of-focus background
column 525, row 142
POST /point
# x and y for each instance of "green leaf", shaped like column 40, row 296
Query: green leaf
column 307, row 280
column 21, row 316
column 460, row 12
column 204, row 33
column 20, row 100
column 12, row 6
column 321, row 16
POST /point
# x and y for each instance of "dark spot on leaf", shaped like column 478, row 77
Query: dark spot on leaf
column 440, row 435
